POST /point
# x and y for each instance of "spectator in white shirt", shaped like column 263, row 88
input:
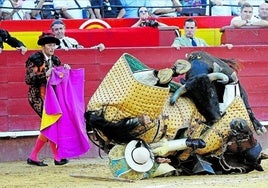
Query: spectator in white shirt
column 74, row 9
column 17, row 13
column 246, row 17
column 166, row 8
column 220, row 7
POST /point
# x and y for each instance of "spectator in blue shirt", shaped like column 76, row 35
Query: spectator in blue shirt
column 132, row 6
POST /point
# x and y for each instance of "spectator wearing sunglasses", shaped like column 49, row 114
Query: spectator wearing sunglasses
column 145, row 19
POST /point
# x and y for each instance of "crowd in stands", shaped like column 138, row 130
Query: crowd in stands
column 86, row 9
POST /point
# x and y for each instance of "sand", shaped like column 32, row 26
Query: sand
column 94, row 172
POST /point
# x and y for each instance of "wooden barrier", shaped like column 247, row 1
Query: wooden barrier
column 244, row 36
column 16, row 114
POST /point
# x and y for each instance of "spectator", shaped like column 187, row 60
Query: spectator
column 246, row 17
column 146, row 20
column 193, row 7
column 256, row 4
column 189, row 39
column 44, row 9
column 220, row 7
column 15, row 11
column 263, row 16
column 173, row 7
column 38, row 68
column 263, row 11
column 237, row 6
column 236, row 9
column 12, row 41
column 66, row 43
column 108, row 8
column 74, row 9
column 131, row 7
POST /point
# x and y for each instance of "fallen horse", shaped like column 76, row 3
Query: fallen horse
column 151, row 126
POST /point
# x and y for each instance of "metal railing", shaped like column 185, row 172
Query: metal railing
column 199, row 9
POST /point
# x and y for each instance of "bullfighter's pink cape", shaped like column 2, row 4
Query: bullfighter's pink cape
column 63, row 116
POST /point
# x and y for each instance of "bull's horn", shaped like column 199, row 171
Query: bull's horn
column 216, row 67
column 220, row 77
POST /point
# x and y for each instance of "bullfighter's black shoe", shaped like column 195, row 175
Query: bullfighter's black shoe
column 36, row 163
column 61, row 162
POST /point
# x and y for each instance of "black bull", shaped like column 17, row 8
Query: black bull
column 118, row 122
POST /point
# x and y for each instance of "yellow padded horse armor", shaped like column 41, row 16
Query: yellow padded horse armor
column 123, row 96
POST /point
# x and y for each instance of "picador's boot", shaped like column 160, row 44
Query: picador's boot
column 195, row 143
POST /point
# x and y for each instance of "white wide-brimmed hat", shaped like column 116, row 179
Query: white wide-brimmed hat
column 138, row 156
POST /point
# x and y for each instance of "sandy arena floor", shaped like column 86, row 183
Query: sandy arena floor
column 19, row 174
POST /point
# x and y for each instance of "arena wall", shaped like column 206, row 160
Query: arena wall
column 17, row 119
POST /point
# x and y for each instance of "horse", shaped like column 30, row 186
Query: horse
column 168, row 123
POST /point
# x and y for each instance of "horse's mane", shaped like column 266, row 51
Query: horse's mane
column 119, row 132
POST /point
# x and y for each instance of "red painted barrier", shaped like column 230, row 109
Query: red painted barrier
column 116, row 37
column 244, row 36
column 123, row 36
column 15, row 113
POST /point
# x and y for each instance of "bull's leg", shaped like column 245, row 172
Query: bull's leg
column 177, row 94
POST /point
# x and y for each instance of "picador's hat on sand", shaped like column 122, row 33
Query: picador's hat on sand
column 47, row 38
column 138, row 157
